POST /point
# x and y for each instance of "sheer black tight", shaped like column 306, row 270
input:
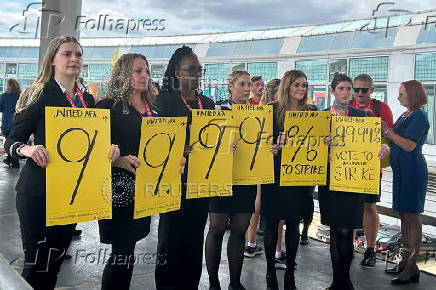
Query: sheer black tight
column 292, row 238
column 239, row 223
column 341, row 252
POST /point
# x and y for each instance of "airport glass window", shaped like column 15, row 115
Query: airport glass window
column 239, row 48
column 266, row 47
column 315, row 43
column 238, row 66
column 318, row 96
column 25, row 83
column 380, row 93
column 430, row 108
column 370, row 38
column 428, row 33
column 27, row 70
column 157, row 51
column 217, row 73
column 2, row 70
column 1, row 86
column 99, row 71
column 425, row 67
column 268, row 70
column 103, row 52
column 11, row 70
column 337, row 65
column 342, row 41
column 157, row 71
column 19, row 52
column 84, row 72
column 376, row 67
column 315, row 70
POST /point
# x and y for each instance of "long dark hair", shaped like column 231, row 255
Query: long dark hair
column 170, row 81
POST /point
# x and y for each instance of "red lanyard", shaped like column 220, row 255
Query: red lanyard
column 335, row 112
column 200, row 103
column 147, row 110
column 80, row 94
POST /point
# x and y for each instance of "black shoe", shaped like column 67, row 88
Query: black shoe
column 68, row 257
column 237, row 287
column 414, row 279
column 250, row 252
column 77, row 233
column 280, row 263
column 7, row 161
column 271, row 283
column 304, row 240
column 369, row 258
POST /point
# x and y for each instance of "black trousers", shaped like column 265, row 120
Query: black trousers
column 44, row 247
column 180, row 246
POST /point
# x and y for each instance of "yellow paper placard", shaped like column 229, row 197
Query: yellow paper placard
column 158, row 181
column 79, row 172
column 253, row 160
column 210, row 163
column 304, row 155
column 354, row 165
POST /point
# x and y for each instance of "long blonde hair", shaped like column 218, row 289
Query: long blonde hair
column 283, row 99
column 120, row 84
column 31, row 94
column 271, row 88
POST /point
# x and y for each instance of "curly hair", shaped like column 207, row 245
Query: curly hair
column 120, row 83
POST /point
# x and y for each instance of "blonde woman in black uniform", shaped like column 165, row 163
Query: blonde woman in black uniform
column 56, row 85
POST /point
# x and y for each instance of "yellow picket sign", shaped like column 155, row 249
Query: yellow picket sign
column 79, row 172
column 304, row 155
column 354, row 165
column 253, row 160
column 210, row 163
column 158, row 181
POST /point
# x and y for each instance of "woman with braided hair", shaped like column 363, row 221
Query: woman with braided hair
column 181, row 232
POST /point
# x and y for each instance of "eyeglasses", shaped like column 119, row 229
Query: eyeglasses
column 192, row 69
column 364, row 90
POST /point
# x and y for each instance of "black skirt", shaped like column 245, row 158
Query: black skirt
column 285, row 202
column 340, row 209
column 242, row 200
column 122, row 226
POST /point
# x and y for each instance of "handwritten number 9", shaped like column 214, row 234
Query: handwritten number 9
column 84, row 159
column 258, row 139
column 216, row 146
column 164, row 163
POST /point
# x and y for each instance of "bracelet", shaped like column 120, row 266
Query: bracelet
column 19, row 148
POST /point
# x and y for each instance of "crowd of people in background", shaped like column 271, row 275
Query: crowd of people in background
column 181, row 232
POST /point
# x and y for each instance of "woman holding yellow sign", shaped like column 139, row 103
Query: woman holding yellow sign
column 181, row 232
column 129, row 98
column 56, row 86
column 236, row 208
column 286, row 203
column 342, row 211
